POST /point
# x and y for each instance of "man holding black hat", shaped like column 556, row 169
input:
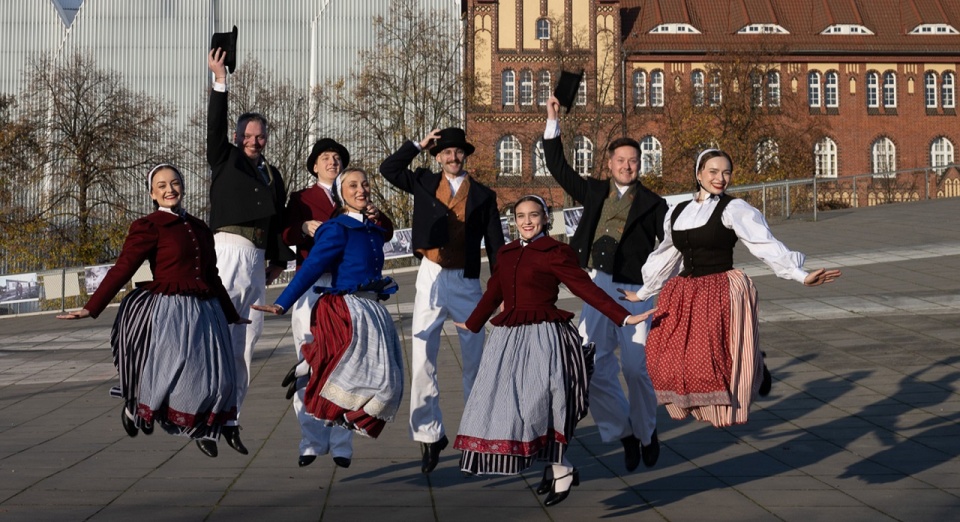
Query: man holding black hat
column 452, row 214
column 621, row 224
column 246, row 202
column 306, row 211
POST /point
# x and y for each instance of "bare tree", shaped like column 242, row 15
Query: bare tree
column 93, row 140
column 409, row 83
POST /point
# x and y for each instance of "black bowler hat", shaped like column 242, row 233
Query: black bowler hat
column 452, row 137
column 227, row 42
column 323, row 145
column 567, row 87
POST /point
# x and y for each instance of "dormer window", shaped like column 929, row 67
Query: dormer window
column 934, row 29
column 847, row 29
column 674, row 29
column 763, row 29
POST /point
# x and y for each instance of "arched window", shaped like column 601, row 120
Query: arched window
column 508, row 91
column 715, row 89
column 543, row 29
column 756, row 89
column 509, row 156
column 813, row 89
column 768, row 155
column 696, row 79
column 773, row 89
column 651, row 156
column 947, row 86
column 930, row 90
column 884, row 154
column 543, row 88
column 640, row 88
column 831, row 90
column 825, row 155
column 582, row 92
column 889, row 89
column 656, row 89
column 539, row 160
column 873, row 90
column 582, row 155
column 941, row 153
column 526, row 87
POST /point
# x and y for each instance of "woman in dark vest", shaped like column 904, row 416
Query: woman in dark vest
column 703, row 353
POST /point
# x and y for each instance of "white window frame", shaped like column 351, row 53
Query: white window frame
column 656, row 88
column 814, row 90
column 831, row 90
column 883, row 153
column 526, row 87
column 582, row 92
column 543, row 88
column 715, row 89
column 543, row 29
column 825, row 157
column 639, row 88
column 873, row 90
column 941, row 153
column 890, row 90
column 948, row 86
column 767, row 154
column 539, row 159
column 651, row 156
column 773, row 88
column 697, row 81
column 509, row 156
column 508, row 93
column 583, row 155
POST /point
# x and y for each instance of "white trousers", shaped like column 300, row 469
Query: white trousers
column 618, row 416
column 315, row 437
column 242, row 269
column 442, row 293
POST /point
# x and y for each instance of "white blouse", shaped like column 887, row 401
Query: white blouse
column 746, row 222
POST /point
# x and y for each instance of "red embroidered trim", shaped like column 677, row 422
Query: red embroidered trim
column 506, row 447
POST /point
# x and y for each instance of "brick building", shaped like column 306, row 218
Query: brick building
column 879, row 75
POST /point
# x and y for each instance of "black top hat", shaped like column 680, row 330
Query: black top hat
column 227, row 42
column 567, row 87
column 452, row 137
column 323, row 145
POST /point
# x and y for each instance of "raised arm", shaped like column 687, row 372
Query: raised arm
column 396, row 168
column 218, row 146
column 573, row 184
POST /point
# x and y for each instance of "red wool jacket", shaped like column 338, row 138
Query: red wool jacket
column 182, row 259
column 527, row 280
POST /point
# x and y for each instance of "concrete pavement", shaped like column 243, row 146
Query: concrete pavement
column 862, row 422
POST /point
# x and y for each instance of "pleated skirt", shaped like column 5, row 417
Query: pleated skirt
column 703, row 354
column 356, row 363
column 529, row 395
column 175, row 361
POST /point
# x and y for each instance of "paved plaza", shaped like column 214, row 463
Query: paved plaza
column 861, row 425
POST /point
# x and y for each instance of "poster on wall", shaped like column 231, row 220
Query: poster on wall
column 571, row 218
column 93, row 276
column 19, row 288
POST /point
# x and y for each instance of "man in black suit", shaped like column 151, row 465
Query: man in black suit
column 452, row 213
column 621, row 224
column 247, row 197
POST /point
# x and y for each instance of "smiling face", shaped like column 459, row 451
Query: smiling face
column 355, row 191
column 328, row 166
column 624, row 164
column 252, row 139
column 530, row 219
column 451, row 160
column 714, row 175
column 166, row 188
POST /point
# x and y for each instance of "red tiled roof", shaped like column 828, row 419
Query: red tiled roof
column 719, row 20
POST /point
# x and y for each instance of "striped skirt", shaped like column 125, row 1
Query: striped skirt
column 175, row 362
column 356, row 363
column 703, row 354
column 529, row 395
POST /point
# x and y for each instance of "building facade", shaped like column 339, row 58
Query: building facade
column 879, row 77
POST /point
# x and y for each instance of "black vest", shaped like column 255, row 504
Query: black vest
column 707, row 249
